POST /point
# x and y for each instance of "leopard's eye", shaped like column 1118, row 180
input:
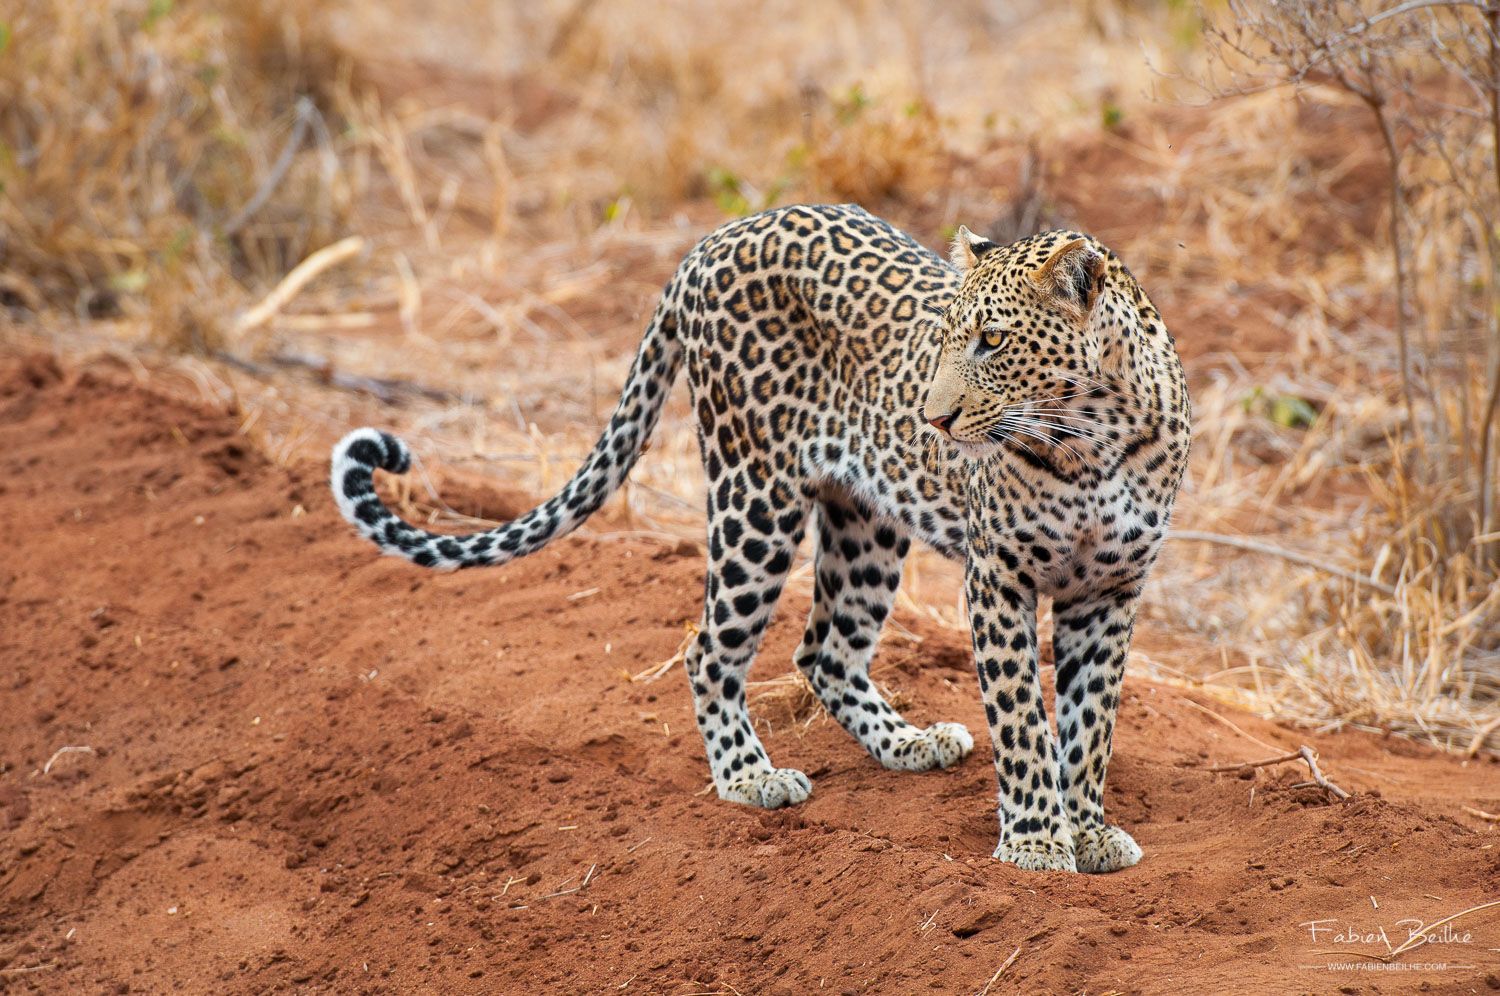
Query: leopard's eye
column 993, row 336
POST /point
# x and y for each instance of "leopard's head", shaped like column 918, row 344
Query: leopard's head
column 1019, row 338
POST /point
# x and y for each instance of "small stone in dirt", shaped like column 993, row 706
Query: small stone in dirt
column 683, row 548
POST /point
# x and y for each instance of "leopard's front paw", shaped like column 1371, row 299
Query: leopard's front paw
column 768, row 789
column 941, row 745
column 1038, row 855
column 1105, row 849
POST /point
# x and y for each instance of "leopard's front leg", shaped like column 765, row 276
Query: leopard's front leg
column 1090, row 642
column 1034, row 830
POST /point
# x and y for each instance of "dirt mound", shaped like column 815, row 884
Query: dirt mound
column 311, row 768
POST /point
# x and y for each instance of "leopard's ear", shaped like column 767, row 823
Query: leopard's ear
column 967, row 249
column 1071, row 274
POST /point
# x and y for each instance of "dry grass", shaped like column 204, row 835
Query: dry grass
column 525, row 177
column 135, row 135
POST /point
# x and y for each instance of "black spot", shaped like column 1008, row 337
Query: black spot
column 733, row 530
column 356, row 482
column 366, row 452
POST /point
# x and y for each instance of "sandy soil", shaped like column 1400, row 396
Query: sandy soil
column 312, row 769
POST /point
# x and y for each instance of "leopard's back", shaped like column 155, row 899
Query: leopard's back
column 808, row 334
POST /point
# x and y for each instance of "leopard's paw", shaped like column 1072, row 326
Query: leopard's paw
column 941, row 745
column 1105, row 849
column 1038, row 855
column 768, row 789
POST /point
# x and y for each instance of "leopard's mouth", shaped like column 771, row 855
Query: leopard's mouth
column 979, row 442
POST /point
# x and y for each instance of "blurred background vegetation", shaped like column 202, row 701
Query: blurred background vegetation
column 454, row 216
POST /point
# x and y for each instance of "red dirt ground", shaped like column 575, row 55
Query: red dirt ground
column 318, row 770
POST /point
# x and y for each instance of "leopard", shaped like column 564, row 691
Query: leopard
column 1020, row 408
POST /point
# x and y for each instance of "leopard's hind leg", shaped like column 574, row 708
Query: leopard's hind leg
column 858, row 571
column 751, row 546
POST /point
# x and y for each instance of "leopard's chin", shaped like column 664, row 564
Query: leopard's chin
column 979, row 449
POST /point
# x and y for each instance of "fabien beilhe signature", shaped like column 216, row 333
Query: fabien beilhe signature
column 1409, row 935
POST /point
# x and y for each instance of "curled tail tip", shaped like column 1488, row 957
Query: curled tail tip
column 373, row 449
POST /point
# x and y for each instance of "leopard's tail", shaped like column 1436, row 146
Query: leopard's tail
column 358, row 454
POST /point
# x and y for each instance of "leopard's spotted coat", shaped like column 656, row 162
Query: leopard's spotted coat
column 813, row 338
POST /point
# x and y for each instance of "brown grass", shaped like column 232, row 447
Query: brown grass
column 135, row 132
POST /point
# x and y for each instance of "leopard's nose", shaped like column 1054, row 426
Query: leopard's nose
column 943, row 423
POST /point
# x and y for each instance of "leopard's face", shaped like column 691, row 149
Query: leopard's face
column 1018, row 336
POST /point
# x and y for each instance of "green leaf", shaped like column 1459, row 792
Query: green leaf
column 727, row 192
column 853, row 105
column 155, row 11
column 129, row 282
column 4, row 37
column 1292, row 412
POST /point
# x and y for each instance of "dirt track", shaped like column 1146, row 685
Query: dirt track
column 317, row 770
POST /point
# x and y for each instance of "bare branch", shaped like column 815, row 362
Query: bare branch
column 1305, row 754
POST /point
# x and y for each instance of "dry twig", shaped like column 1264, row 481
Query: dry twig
column 1000, row 971
column 652, row 673
column 27, row 969
column 386, row 389
column 47, row 768
column 305, row 113
column 1271, row 550
column 300, row 276
column 1481, row 735
column 1303, row 753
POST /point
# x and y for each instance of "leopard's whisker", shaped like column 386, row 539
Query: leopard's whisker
column 1074, row 431
column 1061, row 397
column 998, row 436
column 1068, row 416
column 1090, row 385
column 1063, row 415
column 1035, row 432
